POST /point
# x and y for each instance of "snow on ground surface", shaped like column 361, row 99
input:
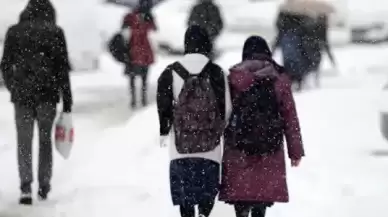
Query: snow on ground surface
column 117, row 168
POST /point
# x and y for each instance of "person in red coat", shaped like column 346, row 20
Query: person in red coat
column 140, row 22
column 252, row 182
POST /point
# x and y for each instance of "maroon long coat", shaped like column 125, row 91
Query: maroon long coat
column 254, row 178
column 141, row 52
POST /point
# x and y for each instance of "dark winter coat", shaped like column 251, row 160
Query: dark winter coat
column 291, row 38
column 38, row 19
column 140, row 25
column 253, row 178
column 207, row 15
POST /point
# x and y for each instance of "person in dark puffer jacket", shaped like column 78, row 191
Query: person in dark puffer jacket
column 35, row 67
column 207, row 15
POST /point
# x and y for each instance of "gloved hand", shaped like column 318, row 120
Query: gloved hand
column 163, row 141
column 295, row 162
column 67, row 108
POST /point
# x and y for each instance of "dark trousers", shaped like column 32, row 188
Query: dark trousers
column 25, row 118
column 133, row 72
column 204, row 208
column 243, row 210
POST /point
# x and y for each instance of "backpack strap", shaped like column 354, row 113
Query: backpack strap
column 185, row 74
column 180, row 70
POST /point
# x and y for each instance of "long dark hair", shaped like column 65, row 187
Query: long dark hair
column 144, row 8
column 256, row 48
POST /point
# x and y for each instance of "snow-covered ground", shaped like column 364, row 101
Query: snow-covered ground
column 118, row 169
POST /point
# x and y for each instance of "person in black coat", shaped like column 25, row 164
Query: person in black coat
column 290, row 37
column 207, row 15
column 35, row 66
column 194, row 177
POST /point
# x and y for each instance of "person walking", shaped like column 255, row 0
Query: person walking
column 207, row 14
column 253, row 167
column 193, row 101
column 290, row 39
column 35, row 67
column 139, row 22
column 316, row 44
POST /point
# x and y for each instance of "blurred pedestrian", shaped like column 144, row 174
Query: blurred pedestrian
column 290, row 36
column 35, row 67
column 207, row 14
column 139, row 22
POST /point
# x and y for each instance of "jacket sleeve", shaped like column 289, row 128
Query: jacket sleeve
column 326, row 46
column 276, row 42
column 279, row 27
column 218, row 19
column 125, row 23
column 219, row 86
column 165, row 99
column 228, row 99
column 62, row 65
column 325, row 40
column 7, row 60
column 291, row 121
column 149, row 17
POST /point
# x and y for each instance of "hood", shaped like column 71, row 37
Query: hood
column 254, row 47
column 39, row 10
column 244, row 74
column 197, row 41
column 144, row 6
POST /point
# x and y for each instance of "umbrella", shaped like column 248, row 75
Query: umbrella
column 308, row 7
column 133, row 3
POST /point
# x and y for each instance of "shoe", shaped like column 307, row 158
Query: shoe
column 144, row 103
column 25, row 199
column 133, row 105
column 43, row 192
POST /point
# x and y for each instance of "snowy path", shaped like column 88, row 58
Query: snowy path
column 117, row 168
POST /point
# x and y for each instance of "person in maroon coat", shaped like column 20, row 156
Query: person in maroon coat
column 253, row 183
column 140, row 22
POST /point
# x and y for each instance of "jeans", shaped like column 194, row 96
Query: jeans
column 25, row 118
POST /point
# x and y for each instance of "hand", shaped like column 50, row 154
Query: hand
column 295, row 162
column 66, row 108
column 163, row 141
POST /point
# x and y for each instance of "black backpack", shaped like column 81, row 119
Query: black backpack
column 119, row 48
column 255, row 125
column 197, row 119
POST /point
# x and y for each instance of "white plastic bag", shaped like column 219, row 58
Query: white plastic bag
column 384, row 124
column 383, row 106
column 64, row 134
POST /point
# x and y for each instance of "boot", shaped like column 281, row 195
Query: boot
column 43, row 192
column 25, row 199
